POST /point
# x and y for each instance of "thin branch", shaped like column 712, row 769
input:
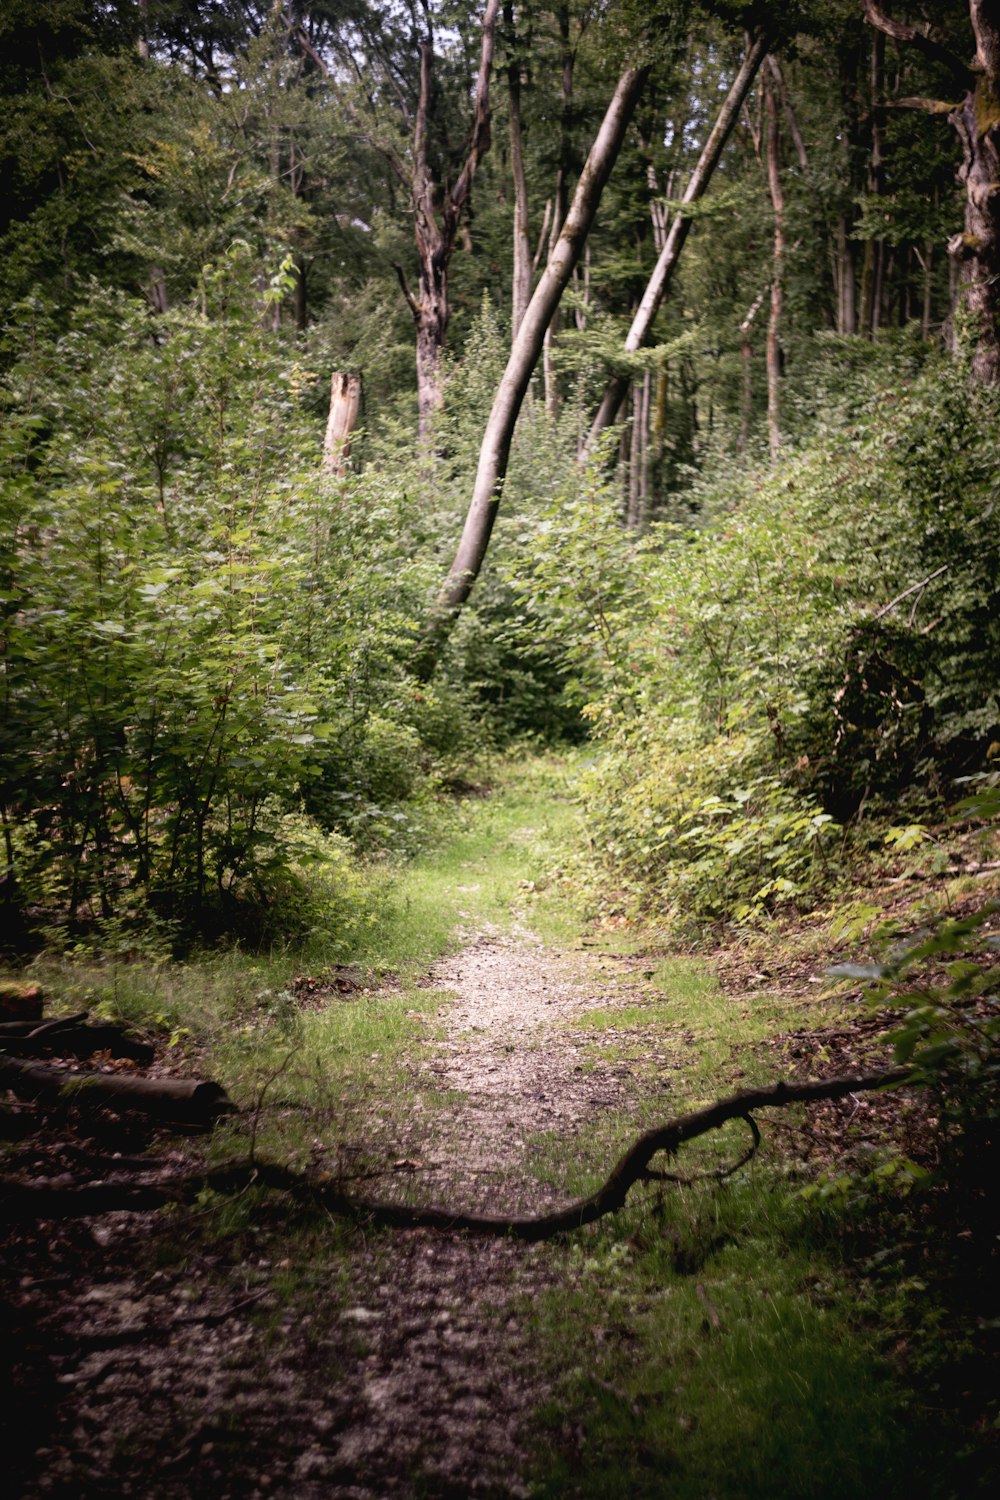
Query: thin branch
column 927, row 106
column 414, row 305
column 542, row 238
column 911, row 590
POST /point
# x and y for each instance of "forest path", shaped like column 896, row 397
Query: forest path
column 240, row 1351
column 162, row 1358
column 449, row 1380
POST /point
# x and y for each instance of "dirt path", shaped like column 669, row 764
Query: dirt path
column 415, row 1377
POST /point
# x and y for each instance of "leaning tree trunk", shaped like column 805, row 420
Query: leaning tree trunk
column 659, row 281
column 495, row 448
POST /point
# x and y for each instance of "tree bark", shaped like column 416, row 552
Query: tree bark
column 436, row 230
column 976, row 251
column 777, row 277
column 345, row 406
column 659, row 281
column 184, row 1101
column 521, row 277
column 495, row 449
column 559, row 202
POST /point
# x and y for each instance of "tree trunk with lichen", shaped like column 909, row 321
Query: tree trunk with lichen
column 977, row 249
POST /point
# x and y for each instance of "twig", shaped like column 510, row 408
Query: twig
column 911, row 590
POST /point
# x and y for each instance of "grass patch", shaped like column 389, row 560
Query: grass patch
column 719, row 1351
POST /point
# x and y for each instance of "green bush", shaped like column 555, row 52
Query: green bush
column 824, row 642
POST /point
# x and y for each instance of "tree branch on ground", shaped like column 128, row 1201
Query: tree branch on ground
column 43, row 1199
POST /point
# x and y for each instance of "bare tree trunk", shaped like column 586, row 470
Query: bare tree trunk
column 777, row 278
column 436, row 227
column 659, row 281
column 644, row 495
column 634, row 459
column 345, row 407
column 559, row 202
column 495, row 449
column 746, row 351
column 847, row 311
column 521, row 278
column 975, row 253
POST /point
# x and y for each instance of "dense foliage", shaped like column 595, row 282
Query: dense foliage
column 210, row 642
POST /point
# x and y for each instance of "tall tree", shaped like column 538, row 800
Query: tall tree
column 976, row 119
column 495, row 449
column 659, row 281
column 437, row 214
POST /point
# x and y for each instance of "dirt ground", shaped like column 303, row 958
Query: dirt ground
column 138, row 1373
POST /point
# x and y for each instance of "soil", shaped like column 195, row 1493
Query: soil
column 153, row 1359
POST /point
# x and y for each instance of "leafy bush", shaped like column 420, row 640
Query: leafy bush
column 824, row 642
column 198, row 624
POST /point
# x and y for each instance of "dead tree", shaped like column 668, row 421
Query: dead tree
column 976, row 119
column 495, row 448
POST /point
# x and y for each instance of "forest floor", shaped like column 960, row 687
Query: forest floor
column 720, row 1340
column 150, row 1379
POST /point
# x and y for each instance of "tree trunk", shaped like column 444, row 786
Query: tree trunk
column 559, row 202
column 847, row 310
column 345, row 407
column 521, row 279
column 495, row 449
column 184, row 1101
column 875, row 249
column 659, row 281
column 977, row 251
column 746, row 352
column 436, row 227
column 777, row 278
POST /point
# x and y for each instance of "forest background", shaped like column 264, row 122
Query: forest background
column 698, row 303
column 770, row 594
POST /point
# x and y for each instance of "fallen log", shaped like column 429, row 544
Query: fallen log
column 65, row 1197
column 179, row 1101
column 72, row 1036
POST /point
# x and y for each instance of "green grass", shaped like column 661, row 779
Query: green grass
column 713, row 1345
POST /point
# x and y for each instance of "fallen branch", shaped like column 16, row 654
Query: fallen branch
column 64, row 1197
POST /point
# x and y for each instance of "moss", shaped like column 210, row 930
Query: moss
column 987, row 106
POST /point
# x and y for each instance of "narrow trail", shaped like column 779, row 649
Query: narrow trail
column 416, row 1374
column 449, row 1381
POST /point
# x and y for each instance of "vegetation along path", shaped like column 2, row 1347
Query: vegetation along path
column 244, row 1348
